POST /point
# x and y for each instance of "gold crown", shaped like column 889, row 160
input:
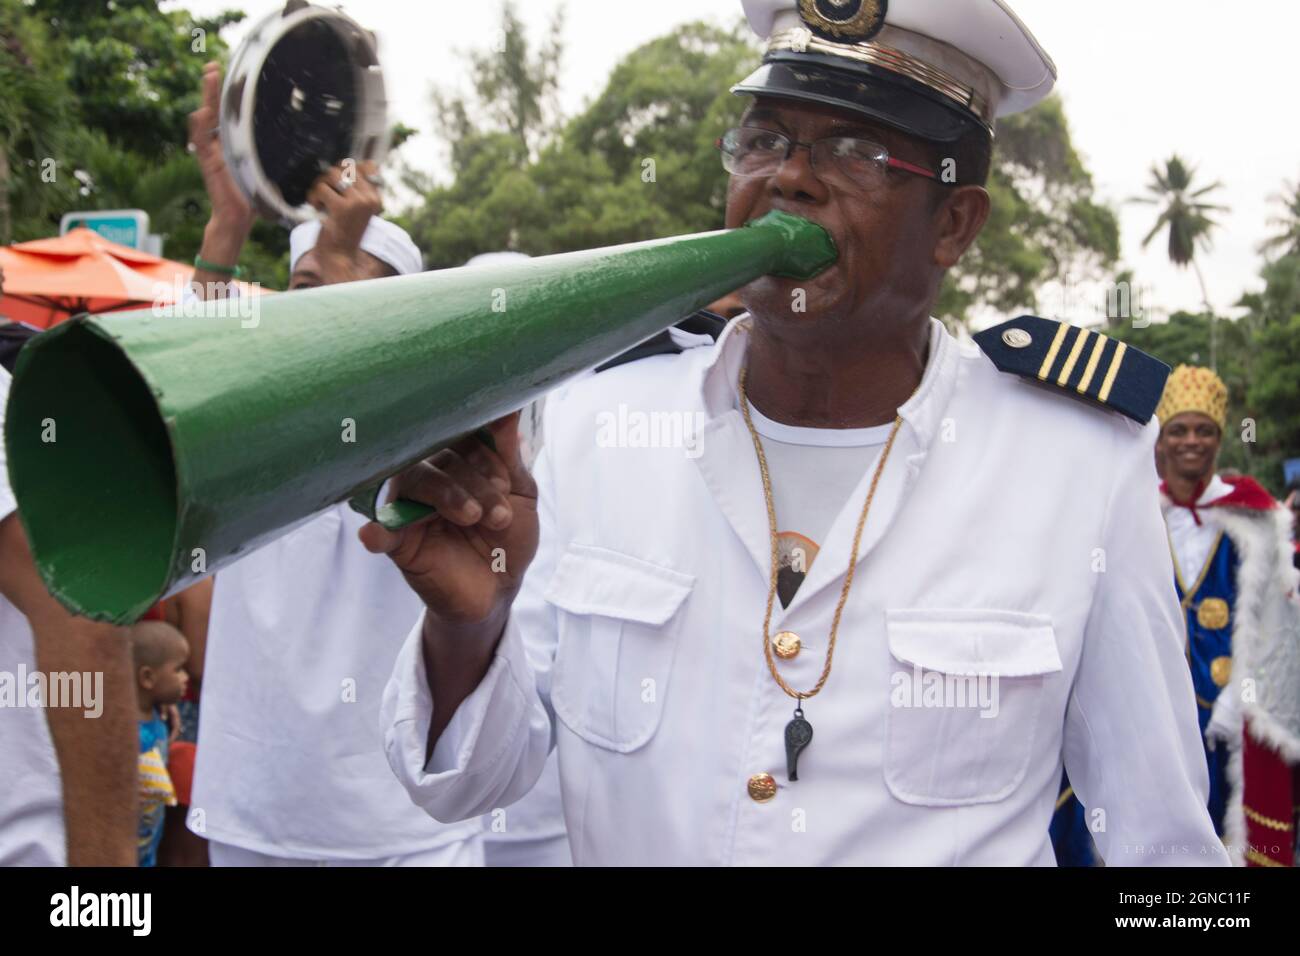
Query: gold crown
column 1194, row 389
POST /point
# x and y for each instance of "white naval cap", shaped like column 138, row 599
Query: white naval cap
column 928, row 67
column 386, row 241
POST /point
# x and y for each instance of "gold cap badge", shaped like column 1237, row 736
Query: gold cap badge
column 846, row 20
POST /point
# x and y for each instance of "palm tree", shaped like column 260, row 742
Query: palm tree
column 1188, row 221
column 1287, row 242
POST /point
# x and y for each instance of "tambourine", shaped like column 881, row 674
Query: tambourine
column 303, row 92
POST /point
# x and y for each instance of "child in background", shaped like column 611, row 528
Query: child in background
column 159, row 652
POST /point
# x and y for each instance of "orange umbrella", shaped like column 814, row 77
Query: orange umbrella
column 49, row 280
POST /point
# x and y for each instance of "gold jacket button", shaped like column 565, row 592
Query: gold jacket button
column 762, row 787
column 1213, row 613
column 786, row 644
column 1221, row 670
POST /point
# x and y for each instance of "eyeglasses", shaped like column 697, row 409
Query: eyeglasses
column 844, row 161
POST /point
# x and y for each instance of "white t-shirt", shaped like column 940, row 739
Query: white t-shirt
column 813, row 471
column 302, row 637
column 31, row 797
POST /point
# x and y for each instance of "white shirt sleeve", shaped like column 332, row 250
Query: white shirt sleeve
column 8, row 504
column 496, row 744
column 1132, row 742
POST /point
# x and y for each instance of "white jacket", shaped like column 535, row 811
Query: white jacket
column 1014, row 533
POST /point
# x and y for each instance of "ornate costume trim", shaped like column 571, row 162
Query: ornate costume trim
column 1265, row 641
column 1246, row 493
column 1271, row 822
column 1259, row 859
column 1190, row 593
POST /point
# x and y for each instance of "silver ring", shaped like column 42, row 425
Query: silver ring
column 374, row 179
column 342, row 186
column 191, row 148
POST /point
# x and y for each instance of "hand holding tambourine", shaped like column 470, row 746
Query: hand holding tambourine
column 303, row 97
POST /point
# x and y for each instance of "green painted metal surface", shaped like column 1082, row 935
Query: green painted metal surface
column 180, row 443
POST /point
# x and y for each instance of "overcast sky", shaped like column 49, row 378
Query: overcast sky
column 1141, row 79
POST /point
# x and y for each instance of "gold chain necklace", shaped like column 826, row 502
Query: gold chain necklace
column 798, row 732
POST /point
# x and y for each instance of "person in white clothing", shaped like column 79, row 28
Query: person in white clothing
column 290, row 768
column 1238, row 590
column 888, row 584
column 290, row 765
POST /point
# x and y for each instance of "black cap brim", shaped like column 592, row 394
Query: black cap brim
column 868, row 90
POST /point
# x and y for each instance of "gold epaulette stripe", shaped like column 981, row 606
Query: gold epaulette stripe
column 1113, row 372
column 1271, row 822
column 1073, row 360
column 1050, row 360
column 1091, row 369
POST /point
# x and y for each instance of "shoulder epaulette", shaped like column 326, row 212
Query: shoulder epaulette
column 1082, row 363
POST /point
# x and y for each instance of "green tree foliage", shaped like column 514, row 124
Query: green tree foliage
column 1286, row 241
column 1045, row 223
column 515, row 85
column 638, row 163
column 1273, row 318
column 133, row 69
column 1259, row 361
column 35, row 126
column 94, row 104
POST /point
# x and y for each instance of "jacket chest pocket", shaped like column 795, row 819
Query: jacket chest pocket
column 967, row 702
column 618, row 630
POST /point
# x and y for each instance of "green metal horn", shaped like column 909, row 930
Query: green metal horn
column 146, row 452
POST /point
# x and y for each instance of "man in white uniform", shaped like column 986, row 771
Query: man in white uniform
column 887, row 588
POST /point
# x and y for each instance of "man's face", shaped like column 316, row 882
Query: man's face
column 307, row 273
column 1189, row 445
column 886, row 237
